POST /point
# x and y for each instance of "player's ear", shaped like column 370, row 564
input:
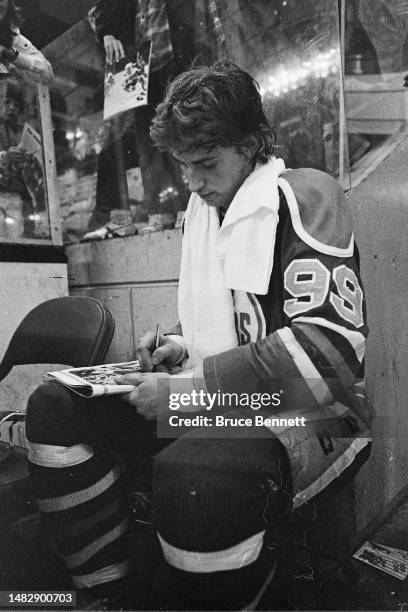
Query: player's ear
column 249, row 148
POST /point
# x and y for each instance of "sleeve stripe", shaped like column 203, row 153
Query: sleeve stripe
column 324, row 362
column 311, row 375
column 336, row 468
column 355, row 338
column 335, row 358
column 259, row 315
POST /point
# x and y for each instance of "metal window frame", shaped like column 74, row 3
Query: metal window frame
column 49, row 165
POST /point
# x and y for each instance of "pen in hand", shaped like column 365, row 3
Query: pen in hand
column 159, row 367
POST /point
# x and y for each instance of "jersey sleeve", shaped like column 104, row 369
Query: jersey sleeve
column 315, row 353
column 107, row 15
column 31, row 60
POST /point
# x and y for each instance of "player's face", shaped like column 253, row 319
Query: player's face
column 215, row 174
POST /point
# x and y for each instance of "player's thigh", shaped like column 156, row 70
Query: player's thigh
column 56, row 415
column 210, row 493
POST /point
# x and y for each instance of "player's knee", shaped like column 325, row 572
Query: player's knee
column 177, row 502
column 49, row 410
column 199, row 506
column 208, row 497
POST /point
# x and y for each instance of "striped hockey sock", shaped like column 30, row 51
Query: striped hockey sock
column 81, row 496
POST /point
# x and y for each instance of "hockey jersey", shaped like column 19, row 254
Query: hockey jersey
column 306, row 336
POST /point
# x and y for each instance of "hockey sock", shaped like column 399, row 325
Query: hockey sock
column 80, row 495
column 226, row 590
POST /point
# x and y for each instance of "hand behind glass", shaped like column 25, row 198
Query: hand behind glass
column 113, row 48
column 16, row 156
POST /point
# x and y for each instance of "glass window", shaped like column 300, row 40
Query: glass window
column 24, row 215
column 376, row 60
column 98, row 169
column 291, row 47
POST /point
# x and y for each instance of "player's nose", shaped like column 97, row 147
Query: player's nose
column 195, row 180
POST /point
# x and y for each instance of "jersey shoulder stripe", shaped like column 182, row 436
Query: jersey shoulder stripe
column 319, row 211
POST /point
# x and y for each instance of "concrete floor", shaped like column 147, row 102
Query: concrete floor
column 25, row 564
column 366, row 588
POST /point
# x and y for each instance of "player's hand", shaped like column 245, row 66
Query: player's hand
column 167, row 355
column 113, row 48
column 16, row 156
column 150, row 395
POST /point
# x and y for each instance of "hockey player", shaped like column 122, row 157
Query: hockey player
column 270, row 294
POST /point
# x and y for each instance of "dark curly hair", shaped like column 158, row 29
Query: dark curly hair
column 8, row 25
column 211, row 106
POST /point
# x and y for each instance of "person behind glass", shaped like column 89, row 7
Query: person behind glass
column 17, row 56
column 14, row 195
column 270, row 299
column 18, row 51
column 118, row 24
column 12, row 157
column 386, row 24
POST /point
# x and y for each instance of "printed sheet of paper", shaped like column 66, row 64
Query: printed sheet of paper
column 31, row 142
column 33, row 173
column 392, row 561
column 101, row 374
column 127, row 81
column 93, row 381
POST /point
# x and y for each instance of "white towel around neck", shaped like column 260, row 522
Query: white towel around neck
column 214, row 260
